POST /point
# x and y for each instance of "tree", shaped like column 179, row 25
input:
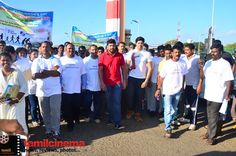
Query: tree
column 171, row 42
column 230, row 47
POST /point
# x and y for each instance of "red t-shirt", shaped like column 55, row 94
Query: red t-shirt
column 111, row 68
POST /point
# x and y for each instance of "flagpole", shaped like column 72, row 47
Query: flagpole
column 212, row 22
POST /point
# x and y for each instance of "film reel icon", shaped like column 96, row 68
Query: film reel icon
column 4, row 139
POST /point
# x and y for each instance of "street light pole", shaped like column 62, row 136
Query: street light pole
column 199, row 43
column 137, row 22
column 212, row 22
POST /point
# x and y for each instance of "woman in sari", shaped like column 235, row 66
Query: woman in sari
column 12, row 108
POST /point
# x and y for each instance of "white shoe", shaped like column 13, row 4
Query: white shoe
column 86, row 119
column 183, row 120
column 97, row 121
column 35, row 124
column 175, row 123
column 192, row 127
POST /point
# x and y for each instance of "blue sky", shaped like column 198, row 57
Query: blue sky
column 158, row 18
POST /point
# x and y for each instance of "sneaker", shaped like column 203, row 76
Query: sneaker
column 168, row 134
column 97, row 121
column 56, row 137
column 129, row 114
column 119, row 127
column 211, row 141
column 138, row 117
column 205, row 136
column 86, row 119
column 192, row 127
column 70, row 127
column 183, row 120
column 161, row 119
column 152, row 114
column 48, row 135
column 176, row 123
column 109, row 123
column 35, row 124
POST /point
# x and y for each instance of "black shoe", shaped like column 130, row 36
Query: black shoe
column 48, row 135
column 70, row 127
column 56, row 137
column 119, row 127
column 152, row 114
column 168, row 134
column 109, row 123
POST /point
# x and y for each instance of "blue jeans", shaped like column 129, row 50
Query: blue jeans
column 92, row 97
column 34, row 108
column 113, row 94
column 170, row 108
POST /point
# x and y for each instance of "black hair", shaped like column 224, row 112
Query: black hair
column 146, row 45
column 217, row 46
column 10, row 49
column 21, row 49
column 111, row 41
column 33, row 50
column 2, row 42
column 140, row 38
column 160, row 47
column 61, row 45
column 131, row 43
column 93, row 45
column 177, row 47
column 190, row 46
column 45, row 42
column 216, row 42
column 168, row 47
column 101, row 48
column 180, row 45
column 5, row 54
column 121, row 43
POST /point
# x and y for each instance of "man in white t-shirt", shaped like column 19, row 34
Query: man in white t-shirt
column 72, row 70
column 121, row 49
column 150, row 91
column 171, row 83
column 46, row 70
column 218, row 74
column 192, row 84
column 138, row 79
column 92, row 85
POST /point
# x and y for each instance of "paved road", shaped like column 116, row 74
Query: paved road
column 145, row 138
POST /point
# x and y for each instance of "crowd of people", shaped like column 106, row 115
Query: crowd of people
column 60, row 83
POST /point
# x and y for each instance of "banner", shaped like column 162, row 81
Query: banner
column 99, row 39
column 18, row 27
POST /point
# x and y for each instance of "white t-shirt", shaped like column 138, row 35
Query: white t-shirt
column 22, row 64
column 72, row 70
column 155, row 63
column 31, row 83
column 50, row 85
column 173, row 74
column 141, row 59
column 192, row 77
column 216, row 74
column 91, row 68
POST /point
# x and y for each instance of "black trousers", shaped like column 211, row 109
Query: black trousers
column 191, row 104
column 71, row 107
column 135, row 94
column 213, row 118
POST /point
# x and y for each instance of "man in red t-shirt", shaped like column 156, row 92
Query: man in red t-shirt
column 111, row 63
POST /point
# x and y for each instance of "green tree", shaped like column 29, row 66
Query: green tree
column 171, row 42
column 230, row 47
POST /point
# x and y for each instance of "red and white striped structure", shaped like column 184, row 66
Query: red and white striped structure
column 115, row 13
